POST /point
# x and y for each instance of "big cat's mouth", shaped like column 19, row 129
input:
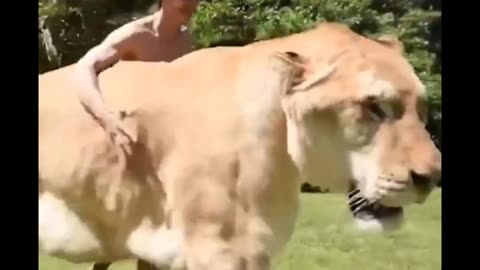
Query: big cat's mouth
column 363, row 209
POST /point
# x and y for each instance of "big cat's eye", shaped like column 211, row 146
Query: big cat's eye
column 374, row 110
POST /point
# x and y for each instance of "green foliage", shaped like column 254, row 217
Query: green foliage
column 75, row 26
column 324, row 239
column 68, row 28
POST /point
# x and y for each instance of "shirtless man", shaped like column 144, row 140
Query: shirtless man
column 161, row 36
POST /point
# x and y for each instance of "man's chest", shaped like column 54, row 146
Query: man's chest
column 155, row 49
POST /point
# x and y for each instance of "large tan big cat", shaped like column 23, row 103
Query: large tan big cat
column 223, row 138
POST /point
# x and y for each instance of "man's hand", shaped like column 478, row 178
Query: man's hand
column 111, row 125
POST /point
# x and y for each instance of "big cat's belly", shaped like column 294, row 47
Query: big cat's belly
column 63, row 234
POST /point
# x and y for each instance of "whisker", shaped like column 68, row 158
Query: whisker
column 356, row 200
column 358, row 194
column 357, row 209
column 353, row 192
column 359, row 202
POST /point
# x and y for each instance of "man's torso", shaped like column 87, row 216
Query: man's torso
column 152, row 46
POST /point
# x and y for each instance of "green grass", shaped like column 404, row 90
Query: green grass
column 324, row 239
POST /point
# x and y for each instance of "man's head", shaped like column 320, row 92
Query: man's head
column 182, row 10
column 363, row 125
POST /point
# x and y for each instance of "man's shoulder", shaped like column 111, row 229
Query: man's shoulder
column 140, row 24
column 133, row 28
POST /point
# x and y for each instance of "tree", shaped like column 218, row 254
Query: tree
column 68, row 28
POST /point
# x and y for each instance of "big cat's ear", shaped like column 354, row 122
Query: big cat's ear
column 292, row 55
column 305, row 81
column 317, row 77
column 391, row 41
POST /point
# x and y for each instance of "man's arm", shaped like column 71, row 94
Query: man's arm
column 94, row 62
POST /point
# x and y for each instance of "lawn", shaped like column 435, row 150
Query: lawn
column 324, row 240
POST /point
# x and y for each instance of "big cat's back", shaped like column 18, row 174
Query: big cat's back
column 57, row 89
column 52, row 86
column 137, row 79
column 189, row 82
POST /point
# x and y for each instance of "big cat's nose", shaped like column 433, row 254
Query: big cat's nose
column 425, row 181
column 421, row 181
column 428, row 172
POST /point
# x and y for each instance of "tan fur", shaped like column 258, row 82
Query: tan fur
column 221, row 146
